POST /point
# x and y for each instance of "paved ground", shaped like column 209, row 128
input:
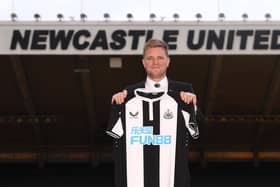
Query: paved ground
column 83, row 175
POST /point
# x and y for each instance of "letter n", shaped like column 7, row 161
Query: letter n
column 22, row 40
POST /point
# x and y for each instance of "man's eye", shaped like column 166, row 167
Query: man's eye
column 149, row 58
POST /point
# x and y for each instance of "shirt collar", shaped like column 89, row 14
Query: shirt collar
column 149, row 84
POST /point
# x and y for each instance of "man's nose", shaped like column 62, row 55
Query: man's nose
column 156, row 61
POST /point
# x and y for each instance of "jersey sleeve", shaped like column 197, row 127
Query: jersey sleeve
column 190, row 120
column 115, row 125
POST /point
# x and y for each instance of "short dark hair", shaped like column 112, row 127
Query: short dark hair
column 152, row 43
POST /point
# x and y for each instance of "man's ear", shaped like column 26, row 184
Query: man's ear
column 143, row 62
column 168, row 62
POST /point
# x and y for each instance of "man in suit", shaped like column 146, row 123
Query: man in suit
column 156, row 61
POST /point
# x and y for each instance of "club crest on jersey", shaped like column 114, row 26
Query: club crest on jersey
column 168, row 114
column 134, row 115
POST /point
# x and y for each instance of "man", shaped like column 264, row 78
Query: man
column 153, row 128
column 156, row 61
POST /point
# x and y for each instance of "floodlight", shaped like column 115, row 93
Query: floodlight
column 198, row 16
column 176, row 16
column 106, row 16
column 152, row 17
column 245, row 16
column 37, row 16
column 83, row 17
column 267, row 16
column 221, row 16
column 13, row 16
column 129, row 16
column 60, row 16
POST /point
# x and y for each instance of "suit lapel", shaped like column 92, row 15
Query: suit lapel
column 170, row 85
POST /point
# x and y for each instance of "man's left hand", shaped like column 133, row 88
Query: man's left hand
column 188, row 97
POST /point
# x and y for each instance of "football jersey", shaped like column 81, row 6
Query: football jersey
column 151, row 132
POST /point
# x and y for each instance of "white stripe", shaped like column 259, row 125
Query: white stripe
column 118, row 128
column 134, row 152
column 168, row 151
column 112, row 134
column 187, row 119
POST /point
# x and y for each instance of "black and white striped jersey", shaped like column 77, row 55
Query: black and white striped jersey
column 152, row 132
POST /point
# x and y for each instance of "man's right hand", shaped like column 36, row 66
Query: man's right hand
column 119, row 97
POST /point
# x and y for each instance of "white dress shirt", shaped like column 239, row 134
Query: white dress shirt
column 150, row 85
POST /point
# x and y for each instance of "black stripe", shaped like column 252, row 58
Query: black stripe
column 156, row 112
column 145, row 113
column 124, row 148
column 120, row 157
column 151, row 152
column 181, row 154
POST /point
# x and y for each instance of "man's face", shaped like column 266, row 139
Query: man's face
column 155, row 63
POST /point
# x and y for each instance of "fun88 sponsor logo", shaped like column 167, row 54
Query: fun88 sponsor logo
column 145, row 136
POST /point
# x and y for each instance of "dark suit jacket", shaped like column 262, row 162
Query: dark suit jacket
column 172, row 86
column 176, row 86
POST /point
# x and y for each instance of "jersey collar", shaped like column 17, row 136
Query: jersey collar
column 162, row 93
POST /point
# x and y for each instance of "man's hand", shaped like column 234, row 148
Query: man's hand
column 188, row 97
column 119, row 97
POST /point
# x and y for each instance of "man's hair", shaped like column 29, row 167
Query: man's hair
column 153, row 43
